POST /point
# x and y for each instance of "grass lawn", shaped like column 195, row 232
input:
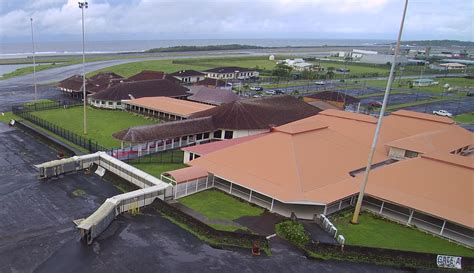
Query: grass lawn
column 101, row 123
column 453, row 82
column 467, row 118
column 129, row 69
column 215, row 204
column 156, row 169
column 356, row 69
column 376, row 232
column 159, row 163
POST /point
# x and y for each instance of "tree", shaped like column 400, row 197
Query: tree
column 329, row 75
column 282, row 71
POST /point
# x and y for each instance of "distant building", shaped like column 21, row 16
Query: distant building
column 111, row 98
column 336, row 99
column 208, row 82
column 72, row 86
column 382, row 59
column 212, row 96
column 231, row 73
column 188, row 76
column 424, row 82
column 271, row 58
column 453, row 66
column 147, row 75
column 164, row 108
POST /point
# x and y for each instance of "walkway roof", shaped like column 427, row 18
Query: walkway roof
column 182, row 108
column 187, row 174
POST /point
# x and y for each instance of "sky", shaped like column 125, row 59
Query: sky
column 60, row 20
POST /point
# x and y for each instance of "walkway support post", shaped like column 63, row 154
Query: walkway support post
column 355, row 218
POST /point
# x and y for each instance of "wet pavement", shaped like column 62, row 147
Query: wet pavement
column 398, row 98
column 454, row 106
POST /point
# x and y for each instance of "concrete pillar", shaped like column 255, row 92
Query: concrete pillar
column 197, row 183
column 250, row 196
column 409, row 218
column 340, row 205
column 156, row 146
column 442, row 228
column 207, row 180
column 271, row 207
column 381, row 208
column 325, row 210
column 230, row 190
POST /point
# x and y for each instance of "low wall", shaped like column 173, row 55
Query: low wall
column 220, row 237
column 380, row 255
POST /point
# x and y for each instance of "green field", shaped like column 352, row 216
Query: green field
column 376, row 232
column 215, row 204
column 467, row 118
column 356, row 69
column 129, row 69
column 101, row 123
column 460, row 83
column 160, row 163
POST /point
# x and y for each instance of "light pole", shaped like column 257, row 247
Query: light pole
column 34, row 60
column 82, row 6
column 355, row 218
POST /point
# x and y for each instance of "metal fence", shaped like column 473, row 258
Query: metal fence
column 24, row 111
column 41, row 106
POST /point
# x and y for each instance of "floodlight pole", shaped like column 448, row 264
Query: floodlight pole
column 355, row 218
column 34, row 60
column 82, row 6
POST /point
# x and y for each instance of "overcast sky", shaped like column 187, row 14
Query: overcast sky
column 193, row 19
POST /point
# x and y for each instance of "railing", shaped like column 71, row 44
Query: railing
column 24, row 111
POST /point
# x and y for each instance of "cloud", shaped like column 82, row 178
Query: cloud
column 158, row 19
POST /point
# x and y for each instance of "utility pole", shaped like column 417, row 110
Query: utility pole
column 355, row 218
column 34, row 60
column 82, row 6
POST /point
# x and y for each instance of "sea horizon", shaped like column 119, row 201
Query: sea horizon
column 21, row 49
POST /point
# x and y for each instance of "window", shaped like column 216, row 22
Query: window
column 109, row 103
column 410, row 154
column 191, row 156
column 228, row 134
column 199, row 136
column 206, row 135
column 119, row 103
column 218, row 134
column 102, row 102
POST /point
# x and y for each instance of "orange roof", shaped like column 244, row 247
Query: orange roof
column 308, row 161
column 445, row 191
column 207, row 148
column 169, row 105
column 294, row 163
column 444, row 140
column 187, row 174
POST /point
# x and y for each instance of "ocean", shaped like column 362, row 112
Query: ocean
column 20, row 50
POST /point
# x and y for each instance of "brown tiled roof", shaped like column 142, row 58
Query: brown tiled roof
column 258, row 113
column 75, row 83
column 228, row 69
column 139, row 89
column 103, row 81
column 334, row 96
column 261, row 113
column 187, row 73
column 214, row 96
column 148, row 75
column 211, row 83
column 166, row 130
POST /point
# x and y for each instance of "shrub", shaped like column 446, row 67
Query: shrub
column 293, row 232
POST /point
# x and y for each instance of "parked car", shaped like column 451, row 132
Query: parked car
column 256, row 88
column 470, row 93
column 257, row 96
column 279, row 91
column 270, row 92
column 320, row 83
column 443, row 113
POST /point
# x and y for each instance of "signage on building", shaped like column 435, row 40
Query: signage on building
column 448, row 261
